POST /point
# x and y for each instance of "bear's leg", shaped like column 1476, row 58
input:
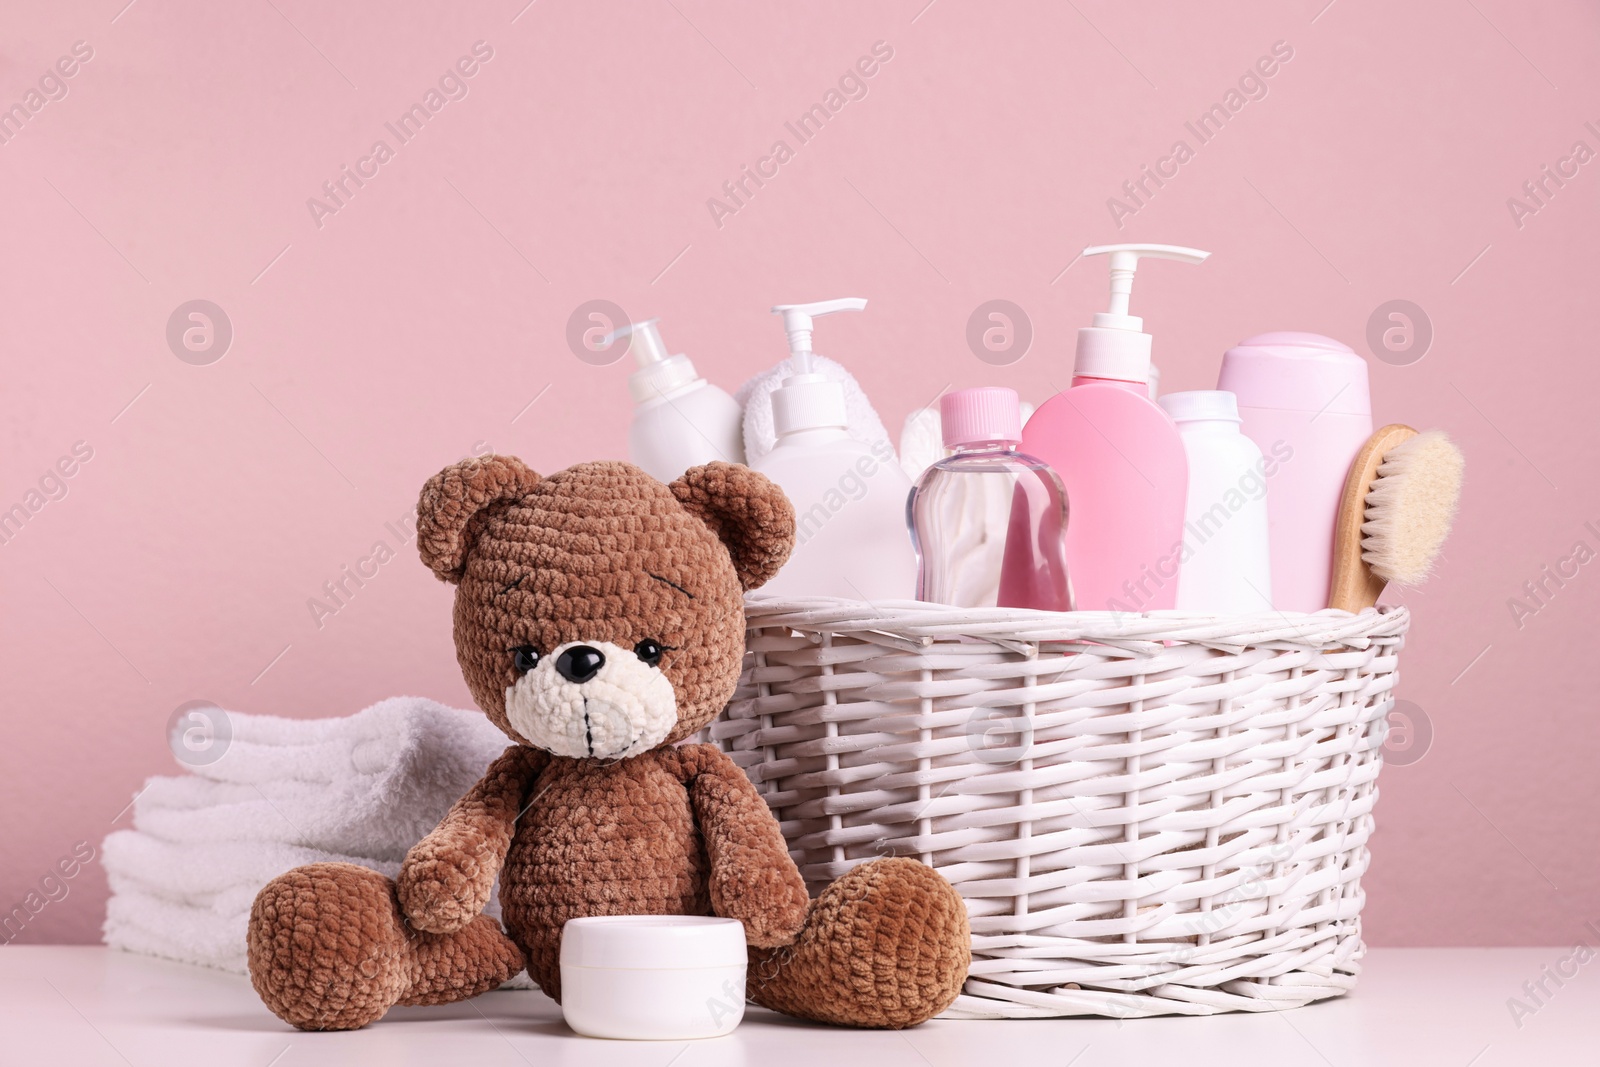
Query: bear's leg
column 885, row 946
column 329, row 949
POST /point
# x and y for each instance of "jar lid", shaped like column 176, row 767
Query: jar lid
column 653, row 942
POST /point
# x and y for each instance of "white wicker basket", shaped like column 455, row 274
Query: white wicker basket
column 1146, row 814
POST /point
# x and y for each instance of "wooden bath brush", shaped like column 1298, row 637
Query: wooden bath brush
column 1399, row 503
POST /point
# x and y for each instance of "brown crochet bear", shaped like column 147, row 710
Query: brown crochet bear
column 598, row 621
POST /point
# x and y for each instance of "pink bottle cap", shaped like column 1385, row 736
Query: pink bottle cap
column 974, row 416
column 1296, row 372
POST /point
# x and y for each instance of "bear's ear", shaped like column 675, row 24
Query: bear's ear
column 748, row 513
column 452, row 505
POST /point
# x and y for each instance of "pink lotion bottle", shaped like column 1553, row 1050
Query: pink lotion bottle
column 1304, row 401
column 1119, row 455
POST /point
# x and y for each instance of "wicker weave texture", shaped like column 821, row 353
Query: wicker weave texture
column 1146, row 814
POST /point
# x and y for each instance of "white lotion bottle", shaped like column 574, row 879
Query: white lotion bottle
column 1226, row 566
column 680, row 420
column 849, row 497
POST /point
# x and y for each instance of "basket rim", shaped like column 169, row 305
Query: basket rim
column 926, row 623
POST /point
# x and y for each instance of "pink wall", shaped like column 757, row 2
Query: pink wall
column 376, row 344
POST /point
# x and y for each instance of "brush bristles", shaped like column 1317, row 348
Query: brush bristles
column 1411, row 506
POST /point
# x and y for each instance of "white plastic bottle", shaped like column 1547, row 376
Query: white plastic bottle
column 1226, row 564
column 681, row 420
column 849, row 498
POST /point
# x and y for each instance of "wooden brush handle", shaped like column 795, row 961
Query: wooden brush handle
column 1354, row 586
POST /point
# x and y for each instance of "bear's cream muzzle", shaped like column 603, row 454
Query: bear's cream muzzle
column 627, row 707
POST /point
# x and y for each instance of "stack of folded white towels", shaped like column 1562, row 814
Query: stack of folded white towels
column 284, row 792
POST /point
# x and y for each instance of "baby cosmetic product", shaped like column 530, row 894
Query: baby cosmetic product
column 1225, row 569
column 653, row 977
column 988, row 522
column 1397, row 508
column 681, row 420
column 849, row 497
column 1118, row 454
column 1304, row 402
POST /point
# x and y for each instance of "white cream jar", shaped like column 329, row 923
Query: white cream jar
column 653, row 977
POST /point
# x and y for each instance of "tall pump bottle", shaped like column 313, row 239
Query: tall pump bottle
column 849, row 500
column 1118, row 454
column 680, row 420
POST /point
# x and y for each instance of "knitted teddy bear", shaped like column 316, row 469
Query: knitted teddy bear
column 599, row 621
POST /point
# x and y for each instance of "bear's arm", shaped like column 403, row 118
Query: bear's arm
column 753, row 878
column 446, row 878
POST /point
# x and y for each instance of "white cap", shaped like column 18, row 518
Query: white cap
column 653, row 942
column 1201, row 405
column 659, row 374
column 806, row 400
column 1115, row 346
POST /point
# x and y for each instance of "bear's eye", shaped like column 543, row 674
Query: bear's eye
column 524, row 658
column 649, row 650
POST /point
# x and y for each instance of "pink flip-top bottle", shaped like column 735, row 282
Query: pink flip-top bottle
column 1304, row 401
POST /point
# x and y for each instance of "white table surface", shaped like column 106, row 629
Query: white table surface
column 92, row 1006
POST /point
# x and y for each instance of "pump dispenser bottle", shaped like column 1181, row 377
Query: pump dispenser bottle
column 680, row 419
column 1118, row 454
column 849, row 500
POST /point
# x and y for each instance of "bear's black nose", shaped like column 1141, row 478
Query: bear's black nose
column 580, row 663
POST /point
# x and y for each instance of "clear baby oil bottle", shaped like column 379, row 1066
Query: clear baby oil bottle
column 989, row 522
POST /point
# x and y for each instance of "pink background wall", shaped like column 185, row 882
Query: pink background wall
column 415, row 324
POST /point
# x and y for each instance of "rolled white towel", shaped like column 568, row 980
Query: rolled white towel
column 755, row 395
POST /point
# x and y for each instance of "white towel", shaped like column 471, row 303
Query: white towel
column 760, row 435
column 192, row 902
column 370, row 784
column 285, row 792
column 222, row 875
column 921, row 441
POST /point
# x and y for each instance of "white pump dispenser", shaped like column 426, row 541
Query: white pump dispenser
column 849, row 497
column 1116, row 346
column 658, row 372
column 681, row 420
column 808, row 400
